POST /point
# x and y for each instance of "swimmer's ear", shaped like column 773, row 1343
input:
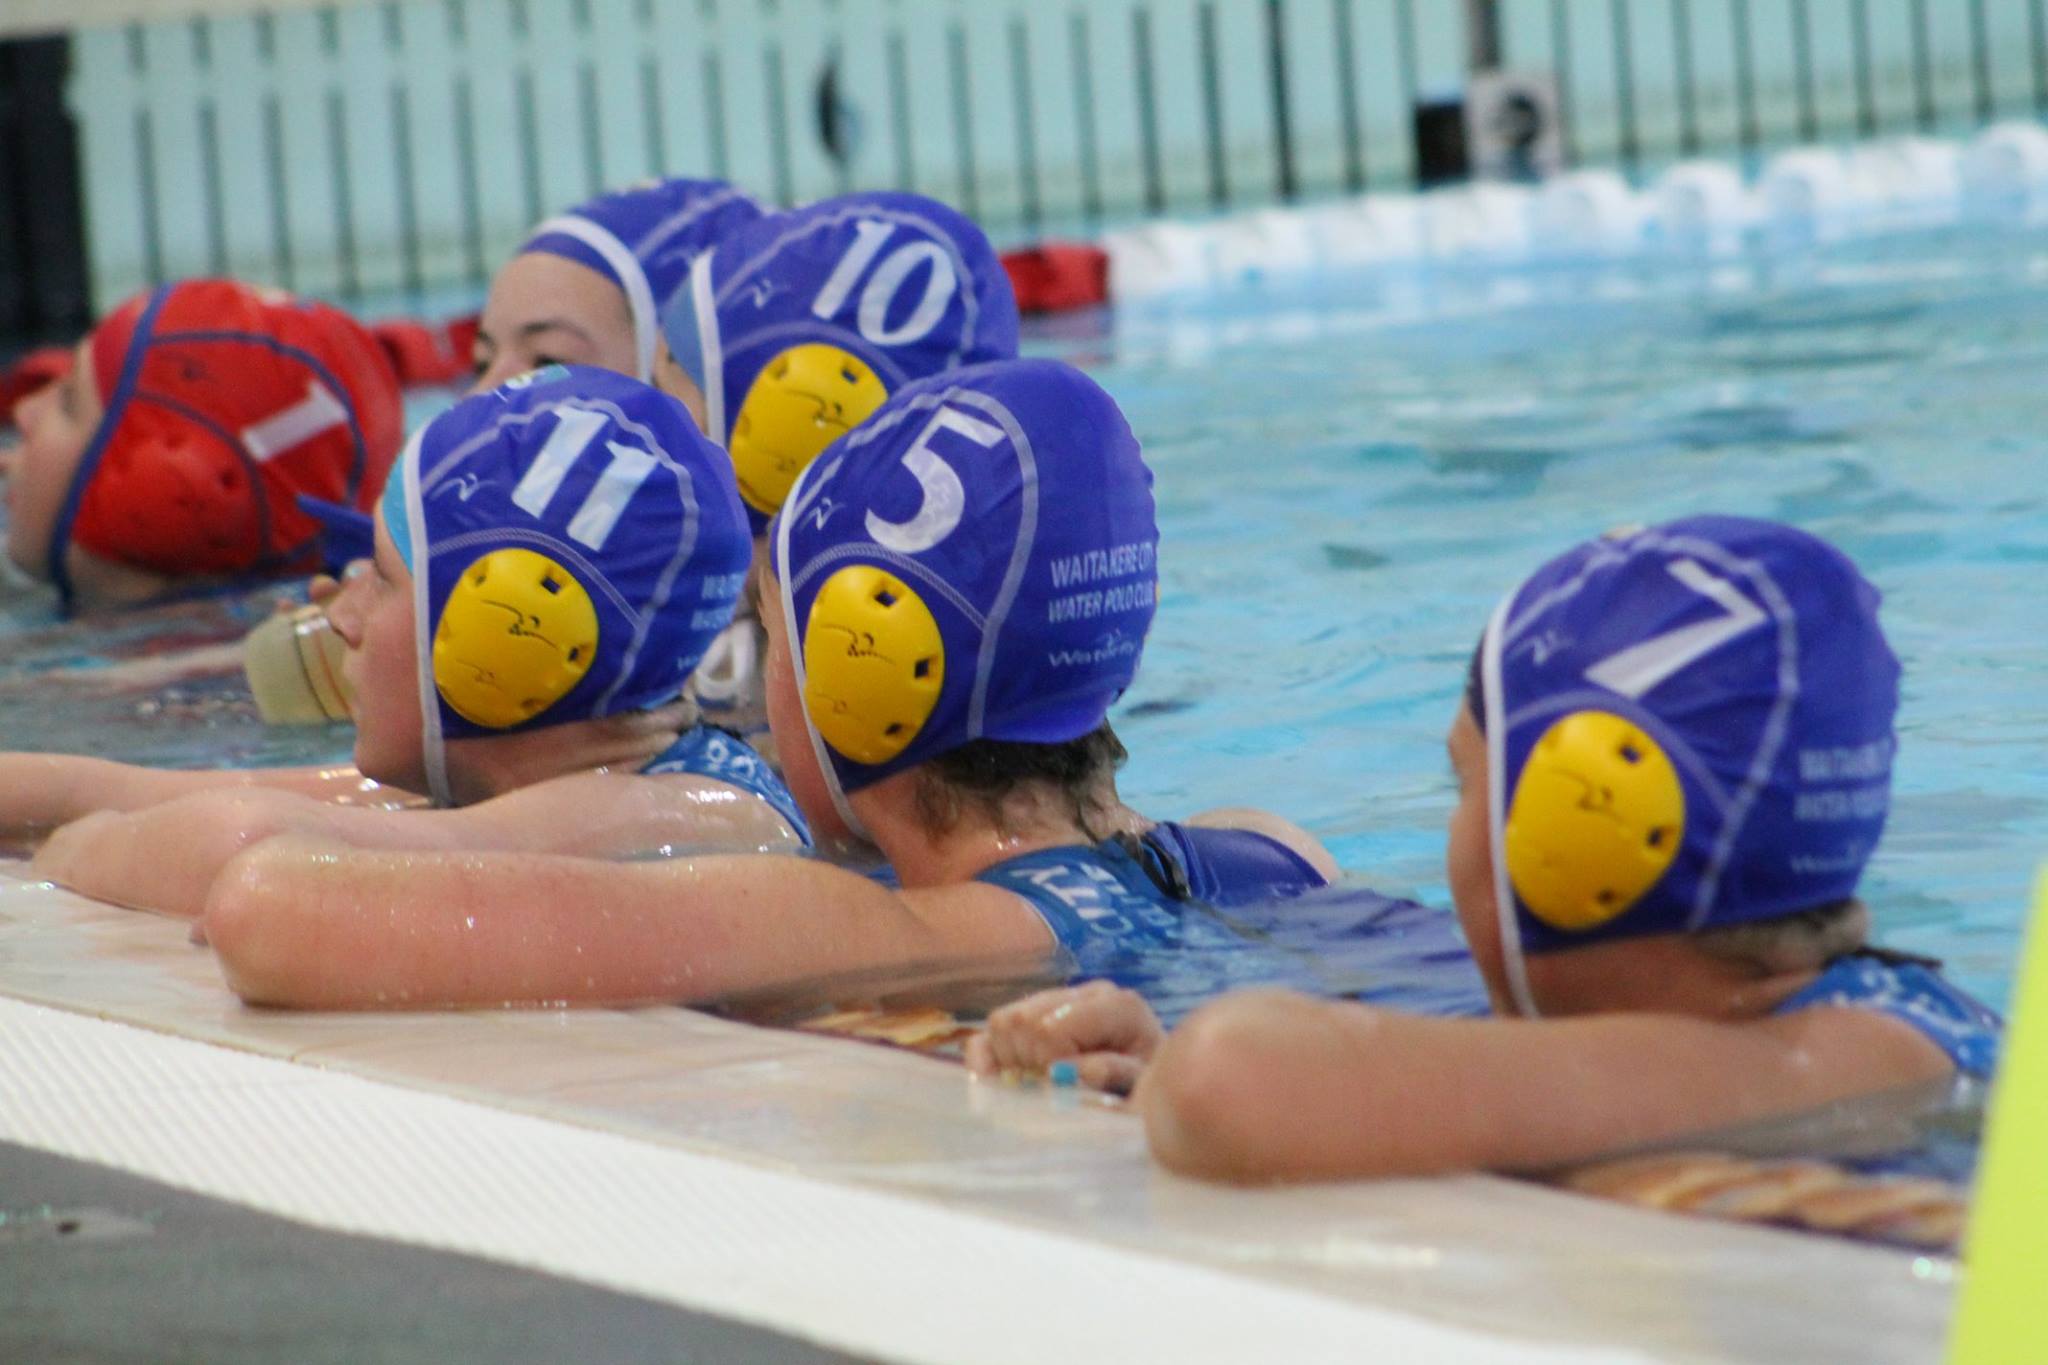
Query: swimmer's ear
column 497, row 675
column 1597, row 817
column 803, row 399
column 874, row 664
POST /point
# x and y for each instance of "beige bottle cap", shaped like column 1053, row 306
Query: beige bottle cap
column 293, row 662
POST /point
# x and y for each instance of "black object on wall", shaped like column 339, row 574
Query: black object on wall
column 1442, row 156
column 45, row 292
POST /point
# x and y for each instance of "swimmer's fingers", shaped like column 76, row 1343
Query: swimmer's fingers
column 1114, row 1073
column 1051, row 1026
column 1101, row 1017
column 979, row 1055
column 1023, row 1035
column 1005, row 1037
column 322, row 588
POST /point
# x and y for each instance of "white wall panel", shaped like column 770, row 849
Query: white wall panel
column 372, row 147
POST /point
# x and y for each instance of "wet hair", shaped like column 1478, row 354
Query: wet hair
column 1475, row 686
column 984, row 774
column 1799, row 941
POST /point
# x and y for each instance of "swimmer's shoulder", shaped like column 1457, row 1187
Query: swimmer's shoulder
column 982, row 917
column 1885, row 995
column 601, row 814
column 1858, row 1049
column 708, row 758
column 757, row 819
column 1279, row 829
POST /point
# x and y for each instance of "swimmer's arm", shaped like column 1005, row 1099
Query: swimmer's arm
column 1271, row 1086
column 39, row 792
column 1274, row 827
column 164, row 858
column 311, row 926
column 606, row 815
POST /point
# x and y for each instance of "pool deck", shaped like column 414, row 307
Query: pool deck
column 855, row 1197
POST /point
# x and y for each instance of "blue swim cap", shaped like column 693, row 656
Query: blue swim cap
column 643, row 240
column 801, row 324
column 575, row 543
column 976, row 561
column 1688, row 726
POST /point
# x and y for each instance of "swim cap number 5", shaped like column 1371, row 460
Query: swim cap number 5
column 945, row 497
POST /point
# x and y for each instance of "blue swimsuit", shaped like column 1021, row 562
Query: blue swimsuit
column 722, row 756
column 1183, row 915
column 1913, row 991
column 1129, row 891
column 1113, row 906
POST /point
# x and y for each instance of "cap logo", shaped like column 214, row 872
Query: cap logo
column 575, row 430
column 1633, row 671
column 883, row 286
column 945, row 499
column 803, row 400
column 319, row 411
column 1597, row 817
column 874, row 664
column 516, row 635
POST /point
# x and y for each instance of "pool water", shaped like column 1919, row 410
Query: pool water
column 1347, row 482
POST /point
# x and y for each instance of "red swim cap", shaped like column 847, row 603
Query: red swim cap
column 223, row 404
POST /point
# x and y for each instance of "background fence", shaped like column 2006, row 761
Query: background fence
column 367, row 149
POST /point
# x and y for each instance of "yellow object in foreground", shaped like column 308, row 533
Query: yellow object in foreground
column 2000, row 1318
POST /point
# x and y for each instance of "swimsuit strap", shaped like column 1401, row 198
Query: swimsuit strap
column 1890, row 957
column 1160, row 863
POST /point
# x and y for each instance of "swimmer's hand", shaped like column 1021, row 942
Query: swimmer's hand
column 321, row 589
column 1108, row 1033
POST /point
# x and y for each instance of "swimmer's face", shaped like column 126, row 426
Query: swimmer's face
column 673, row 380
column 786, row 718
column 373, row 614
column 547, row 310
column 1468, row 856
column 57, row 423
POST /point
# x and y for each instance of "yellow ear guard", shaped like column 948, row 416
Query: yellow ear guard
column 802, row 401
column 1597, row 817
column 874, row 663
column 516, row 634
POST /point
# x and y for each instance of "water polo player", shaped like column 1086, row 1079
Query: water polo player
column 794, row 329
column 552, row 557
column 1673, row 761
column 588, row 286
column 959, row 591
column 173, row 452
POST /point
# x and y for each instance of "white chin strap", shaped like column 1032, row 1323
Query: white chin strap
column 1512, row 959
column 626, row 267
column 433, row 748
column 710, row 351
column 796, row 656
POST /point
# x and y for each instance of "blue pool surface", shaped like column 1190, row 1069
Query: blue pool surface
column 1349, row 478
column 1347, row 485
